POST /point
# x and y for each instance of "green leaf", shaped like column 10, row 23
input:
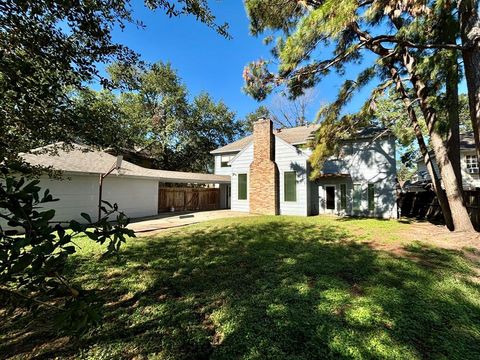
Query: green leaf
column 86, row 217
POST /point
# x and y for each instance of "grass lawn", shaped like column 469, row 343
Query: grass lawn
column 271, row 288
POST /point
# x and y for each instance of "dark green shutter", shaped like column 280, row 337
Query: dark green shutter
column 290, row 186
column 242, row 186
column 371, row 197
column 343, row 196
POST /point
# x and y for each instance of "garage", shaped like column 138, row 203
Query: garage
column 135, row 189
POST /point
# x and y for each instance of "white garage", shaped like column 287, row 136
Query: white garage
column 132, row 187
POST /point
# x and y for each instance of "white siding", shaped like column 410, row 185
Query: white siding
column 365, row 162
column 241, row 165
column 79, row 193
column 470, row 181
column 288, row 158
column 219, row 170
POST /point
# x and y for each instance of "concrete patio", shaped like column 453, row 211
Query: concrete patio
column 151, row 225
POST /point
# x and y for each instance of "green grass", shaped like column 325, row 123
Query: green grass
column 277, row 288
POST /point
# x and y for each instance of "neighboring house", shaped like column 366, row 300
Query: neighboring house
column 135, row 189
column 270, row 174
column 468, row 161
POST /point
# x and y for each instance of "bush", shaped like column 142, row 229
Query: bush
column 33, row 256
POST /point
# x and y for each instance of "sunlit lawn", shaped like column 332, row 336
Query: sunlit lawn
column 279, row 288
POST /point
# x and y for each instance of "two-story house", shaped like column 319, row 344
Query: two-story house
column 468, row 163
column 270, row 174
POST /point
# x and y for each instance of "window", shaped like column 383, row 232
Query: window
column 290, row 186
column 357, row 196
column 225, row 159
column 343, row 196
column 242, row 186
column 371, row 197
column 472, row 162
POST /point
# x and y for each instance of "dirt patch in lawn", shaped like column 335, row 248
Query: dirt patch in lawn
column 430, row 235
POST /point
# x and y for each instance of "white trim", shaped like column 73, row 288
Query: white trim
column 296, row 187
column 299, row 151
column 241, row 152
column 359, row 209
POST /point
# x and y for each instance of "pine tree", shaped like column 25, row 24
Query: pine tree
column 321, row 36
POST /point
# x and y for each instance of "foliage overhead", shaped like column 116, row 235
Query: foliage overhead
column 51, row 48
column 315, row 38
column 162, row 119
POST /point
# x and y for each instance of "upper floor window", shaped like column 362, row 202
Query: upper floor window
column 472, row 162
column 225, row 159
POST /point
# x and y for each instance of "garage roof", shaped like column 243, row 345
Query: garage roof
column 84, row 160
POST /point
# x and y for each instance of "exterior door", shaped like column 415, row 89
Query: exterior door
column 330, row 199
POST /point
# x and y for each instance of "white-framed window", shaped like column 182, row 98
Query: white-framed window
column 290, row 186
column 225, row 159
column 357, row 196
column 471, row 161
column 242, row 187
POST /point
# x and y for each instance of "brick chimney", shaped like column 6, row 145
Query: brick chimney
column 264, row 189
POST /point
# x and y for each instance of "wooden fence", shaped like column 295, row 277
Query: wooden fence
column 424, row 205
column 188, row 199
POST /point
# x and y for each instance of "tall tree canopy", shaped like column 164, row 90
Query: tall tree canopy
column 407, row 38
column 49, row 52
column 160, row 117
column 49, row 49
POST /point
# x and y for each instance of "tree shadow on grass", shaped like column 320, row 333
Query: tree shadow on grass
column 277, row 289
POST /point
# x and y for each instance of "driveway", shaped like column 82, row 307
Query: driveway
column 152, row 225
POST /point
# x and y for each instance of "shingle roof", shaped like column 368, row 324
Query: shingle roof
column 81, row 159
column 297, row 136
column 467, row 141
column 294, row 136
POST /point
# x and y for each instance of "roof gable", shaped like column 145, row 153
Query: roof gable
column 293, row 136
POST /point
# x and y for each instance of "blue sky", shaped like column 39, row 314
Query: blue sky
column 205, row 60
column 208, row 62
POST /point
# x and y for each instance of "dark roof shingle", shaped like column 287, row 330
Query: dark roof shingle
column 81, row 159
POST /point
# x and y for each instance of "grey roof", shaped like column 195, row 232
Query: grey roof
column 467, row 141
column 294, row 136
column 297, row 136
column 82, row 159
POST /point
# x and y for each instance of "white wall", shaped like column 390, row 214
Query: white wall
column 136, row 197
column 288, row 158
column 241, row 165
column 365, row 162
column 219, row 170
column 470, row 181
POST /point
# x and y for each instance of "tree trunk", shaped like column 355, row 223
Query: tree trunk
column 461, row 219
column 437, row 186
column 452, row 107
column 470, row 33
